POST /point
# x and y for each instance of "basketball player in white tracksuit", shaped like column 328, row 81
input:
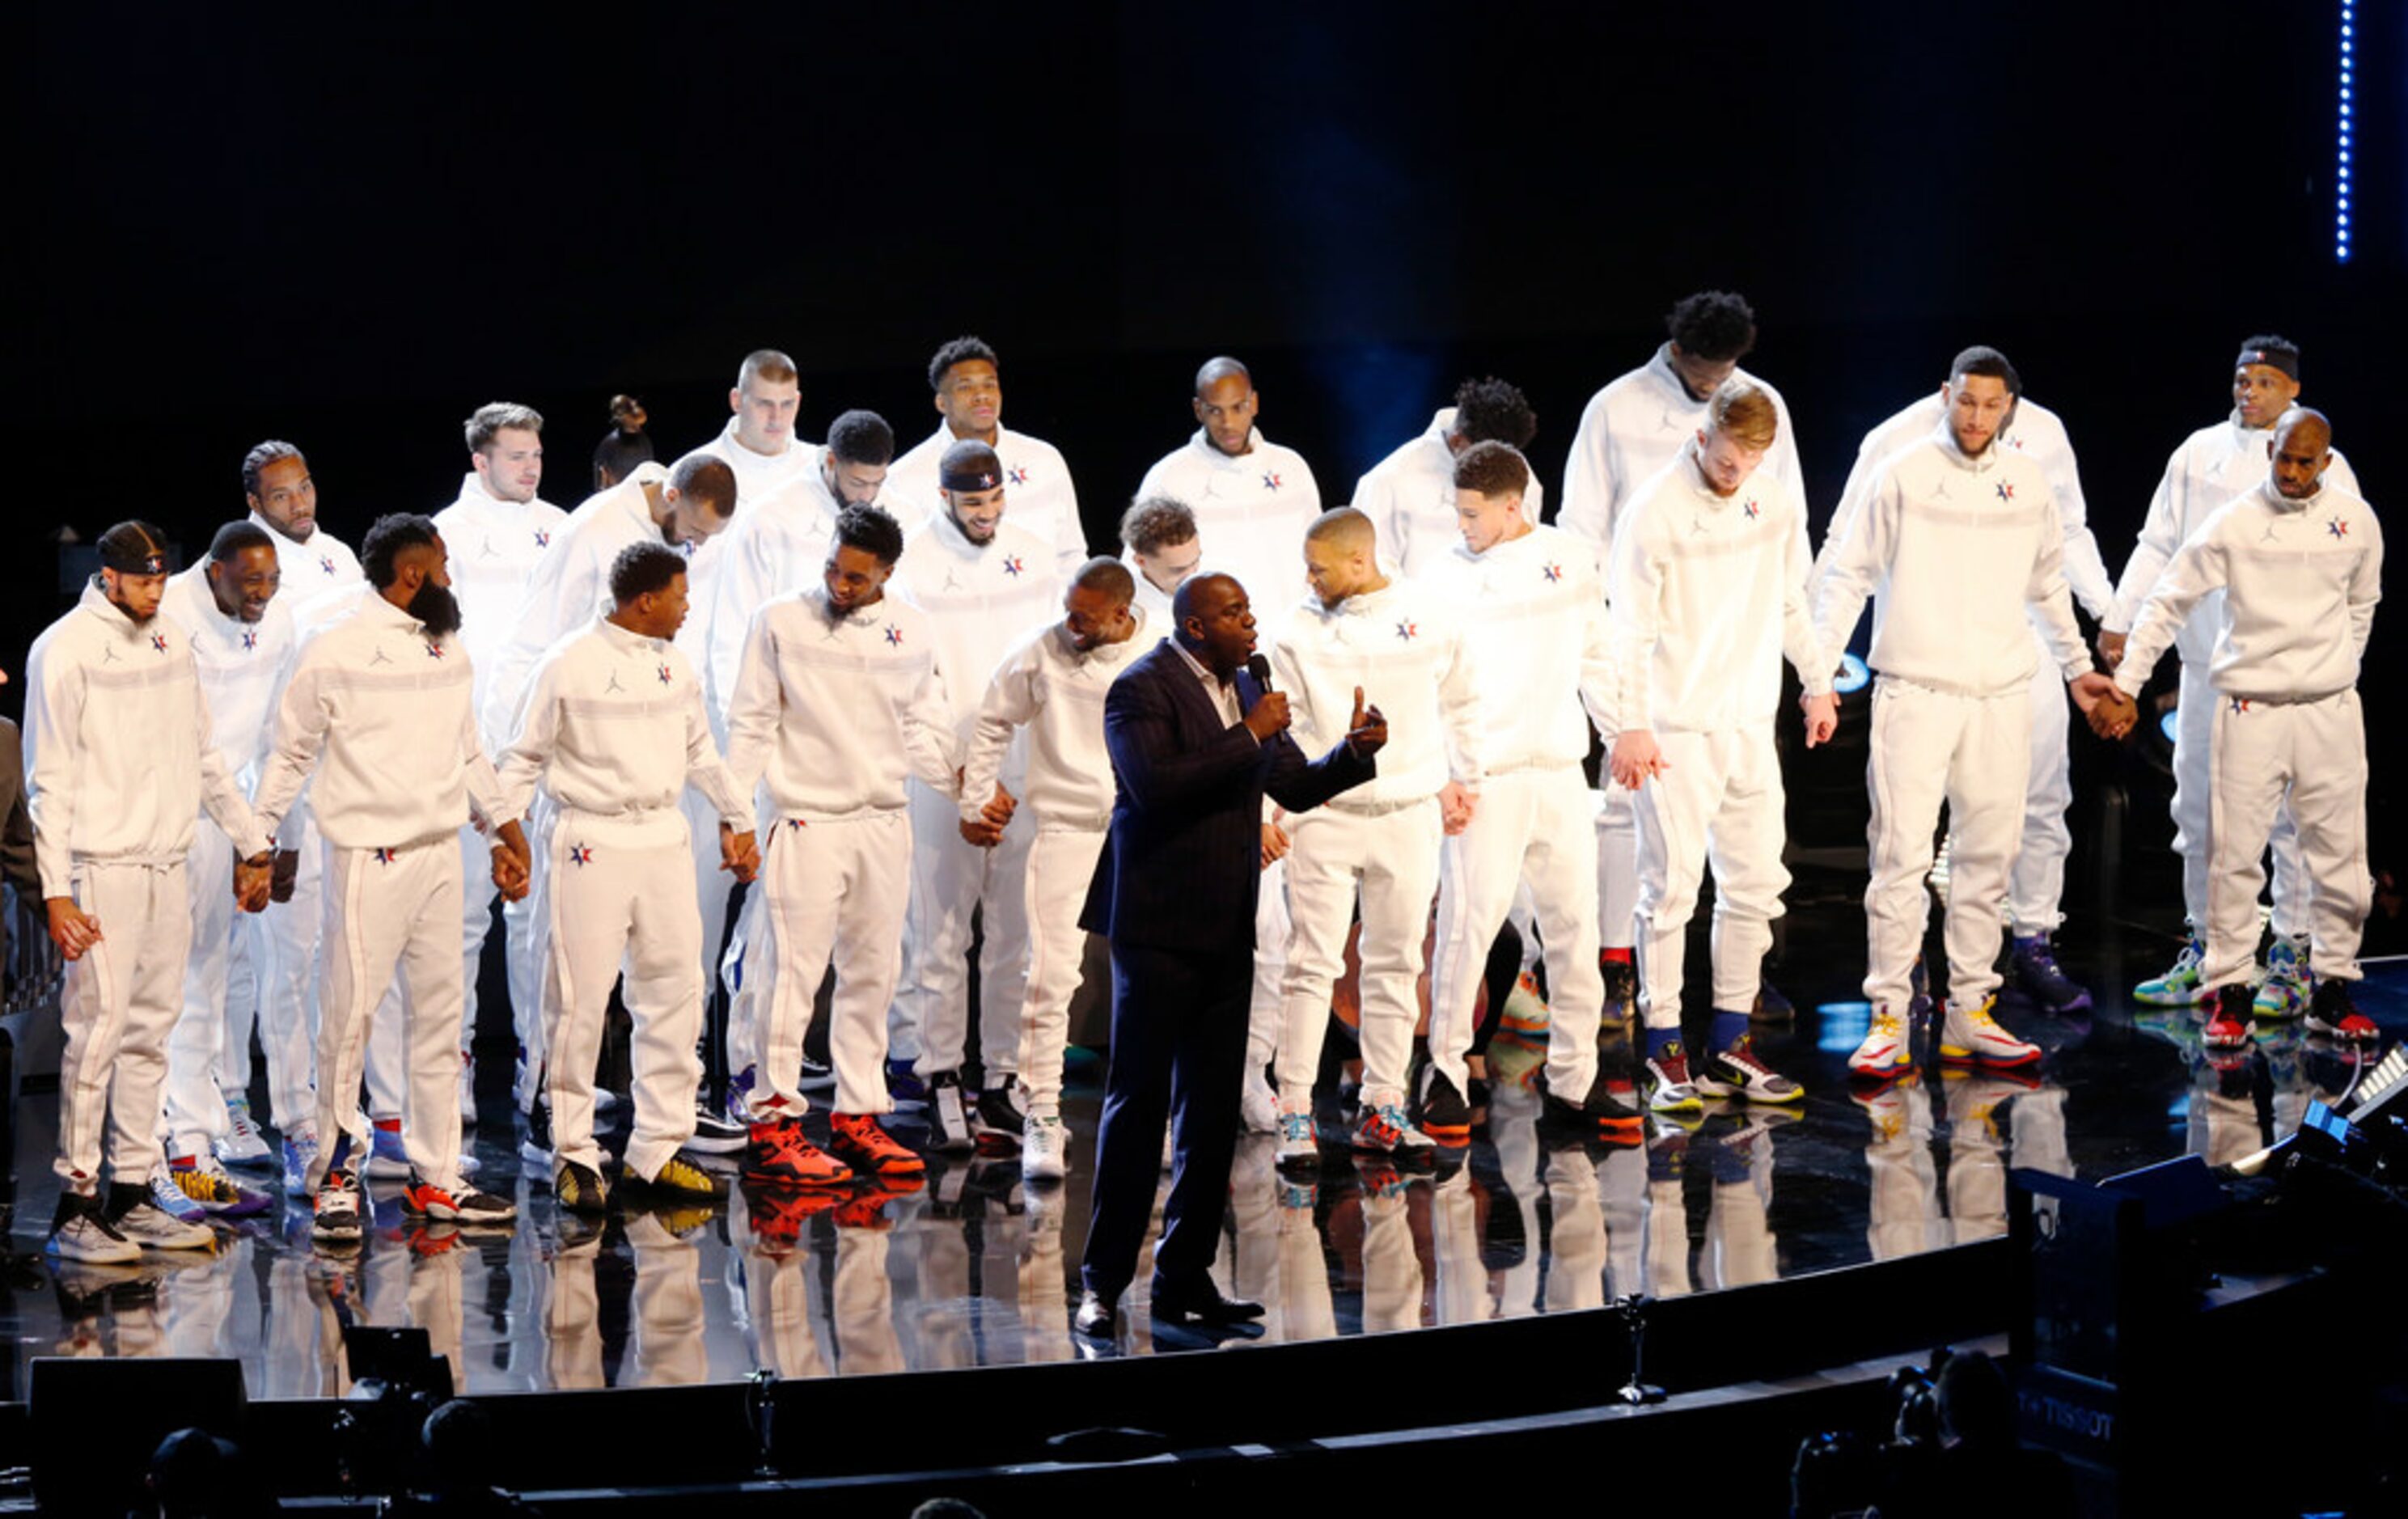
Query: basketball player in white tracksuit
column 1410, row 497
column 687, row 506
column 242, row 658
column 1252, row 499
column 2299, row 561
column 985, row 582
column 613, row 728
column 2036, row 889
column 497, row 530
column 969, row 398
column 119, row 763
column 321, row 579
column 1629, row 431
column 1708, row 591
column 376, row 722
column 1535, row 618
column 2214, row 465
column 1957, row 537
column 1052, row 684
column 1400, row 646
column 839, row 697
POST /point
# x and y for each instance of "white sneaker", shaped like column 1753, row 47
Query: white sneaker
column 1043, row 1148
column 949, row 1119
column 1973, row 1034
column 87, row 1236
column 146, row 1224
column 1259, row 1106
column 241, row 1144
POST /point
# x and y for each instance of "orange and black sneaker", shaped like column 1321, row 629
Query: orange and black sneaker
column 776, row 1154
column 867, row 1208
column 1446, row 1118
column 860, row 1138
column 777, row 1214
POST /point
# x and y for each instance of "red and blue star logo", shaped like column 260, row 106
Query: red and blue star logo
column 159, row 641
column 1017, row 475
column 1552, row 573
column 580, row 854
column 2337, row 528
column 893, row 636
column 2006, row 491
column 326, row 562
column 1408, row 631
column 434, row 649
column 250, row 637
column 1752, row 511
column 542, row 539
column 665, row 675
column 2241, row 703
column 385, row 856
column 793, row 822
column 1011, row 564
column 1270, row 481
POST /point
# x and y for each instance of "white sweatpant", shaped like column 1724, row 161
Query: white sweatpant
column 530, row 942
column 196, row 1107
column 1265, row 1013
column 2194, row 838
column 1393, row 857
column 1061, row 866
column 2036, row 886
column 116, row 1009
column 951, row 877
column 1718, row 802
column 1618, row 863
column 388, row 910
column 1531, row 827
column 833, row 889
column 1972, row 752
column 287, row 989
column 522, row 944
column 2312, row 754
column 621, row 890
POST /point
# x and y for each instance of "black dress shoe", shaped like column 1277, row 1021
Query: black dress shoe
column 1097, row 1318
column 1200, row 1303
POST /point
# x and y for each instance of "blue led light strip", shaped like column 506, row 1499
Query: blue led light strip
column 2341, row 181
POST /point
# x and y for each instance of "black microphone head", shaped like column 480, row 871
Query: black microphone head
column 1260, row 668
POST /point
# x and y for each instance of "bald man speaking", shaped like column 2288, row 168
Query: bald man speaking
column 1196, row 742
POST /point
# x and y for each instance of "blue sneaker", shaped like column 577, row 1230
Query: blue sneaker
column 300, row 1151
column 386, row 1155
column 904, row 1085
column 169, row 1198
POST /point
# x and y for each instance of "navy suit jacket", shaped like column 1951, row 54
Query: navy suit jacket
column 1184, row 861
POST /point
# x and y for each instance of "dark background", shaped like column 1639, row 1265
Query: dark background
column 349, row 232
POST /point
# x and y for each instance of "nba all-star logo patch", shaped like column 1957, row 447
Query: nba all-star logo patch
column 2241, row 703
column 793, row 822
column 434, row 649
column 1408, row 631
column 1011, row 564
column 542, row 539
column 249, row 638
column 2006, row 491
column 665, row 675
column 1752, row 511
column 384, row 856
column 2337, row 528
column 1271, row 480
column 580, row 854
column 1017, row 475
column 1553, row 573
column 893, row 636
column 326, row 562
column 159, row 641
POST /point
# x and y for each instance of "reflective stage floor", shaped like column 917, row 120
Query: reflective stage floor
column 975, row 1269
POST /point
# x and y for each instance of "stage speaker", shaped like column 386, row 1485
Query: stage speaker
column 95, row 1423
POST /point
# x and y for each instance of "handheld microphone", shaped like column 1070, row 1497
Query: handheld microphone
column 1260, row 668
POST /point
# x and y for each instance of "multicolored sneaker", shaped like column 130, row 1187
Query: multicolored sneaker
column 1973, row 1034
column 300, row 1154
column 2290, row 981
column 1384, row 1129
column 776, row 1154
column 1737, row 1072
column 168, row 1198
column 2032, row 962
column 337, row 1209
column 862, row 1141
column 2184, row 985
column 79, row 1232
column 203, row 1180
column 2332, row 1014
column 1300, row 1140
column 1887, row 1048
column 387, row 1157
column 1670, row 1087
column 242, row 1144
column 135, row 1213
column 462, row 1205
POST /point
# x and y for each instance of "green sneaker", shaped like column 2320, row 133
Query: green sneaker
column 2180, row 987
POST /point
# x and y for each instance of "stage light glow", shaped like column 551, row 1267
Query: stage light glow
column 1852, row 677
column 2167, row 723
column 2341, row 207
column 1843, row 1027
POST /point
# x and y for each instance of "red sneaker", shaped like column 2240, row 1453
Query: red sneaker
column 861, row 1140
column 776, row 1154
